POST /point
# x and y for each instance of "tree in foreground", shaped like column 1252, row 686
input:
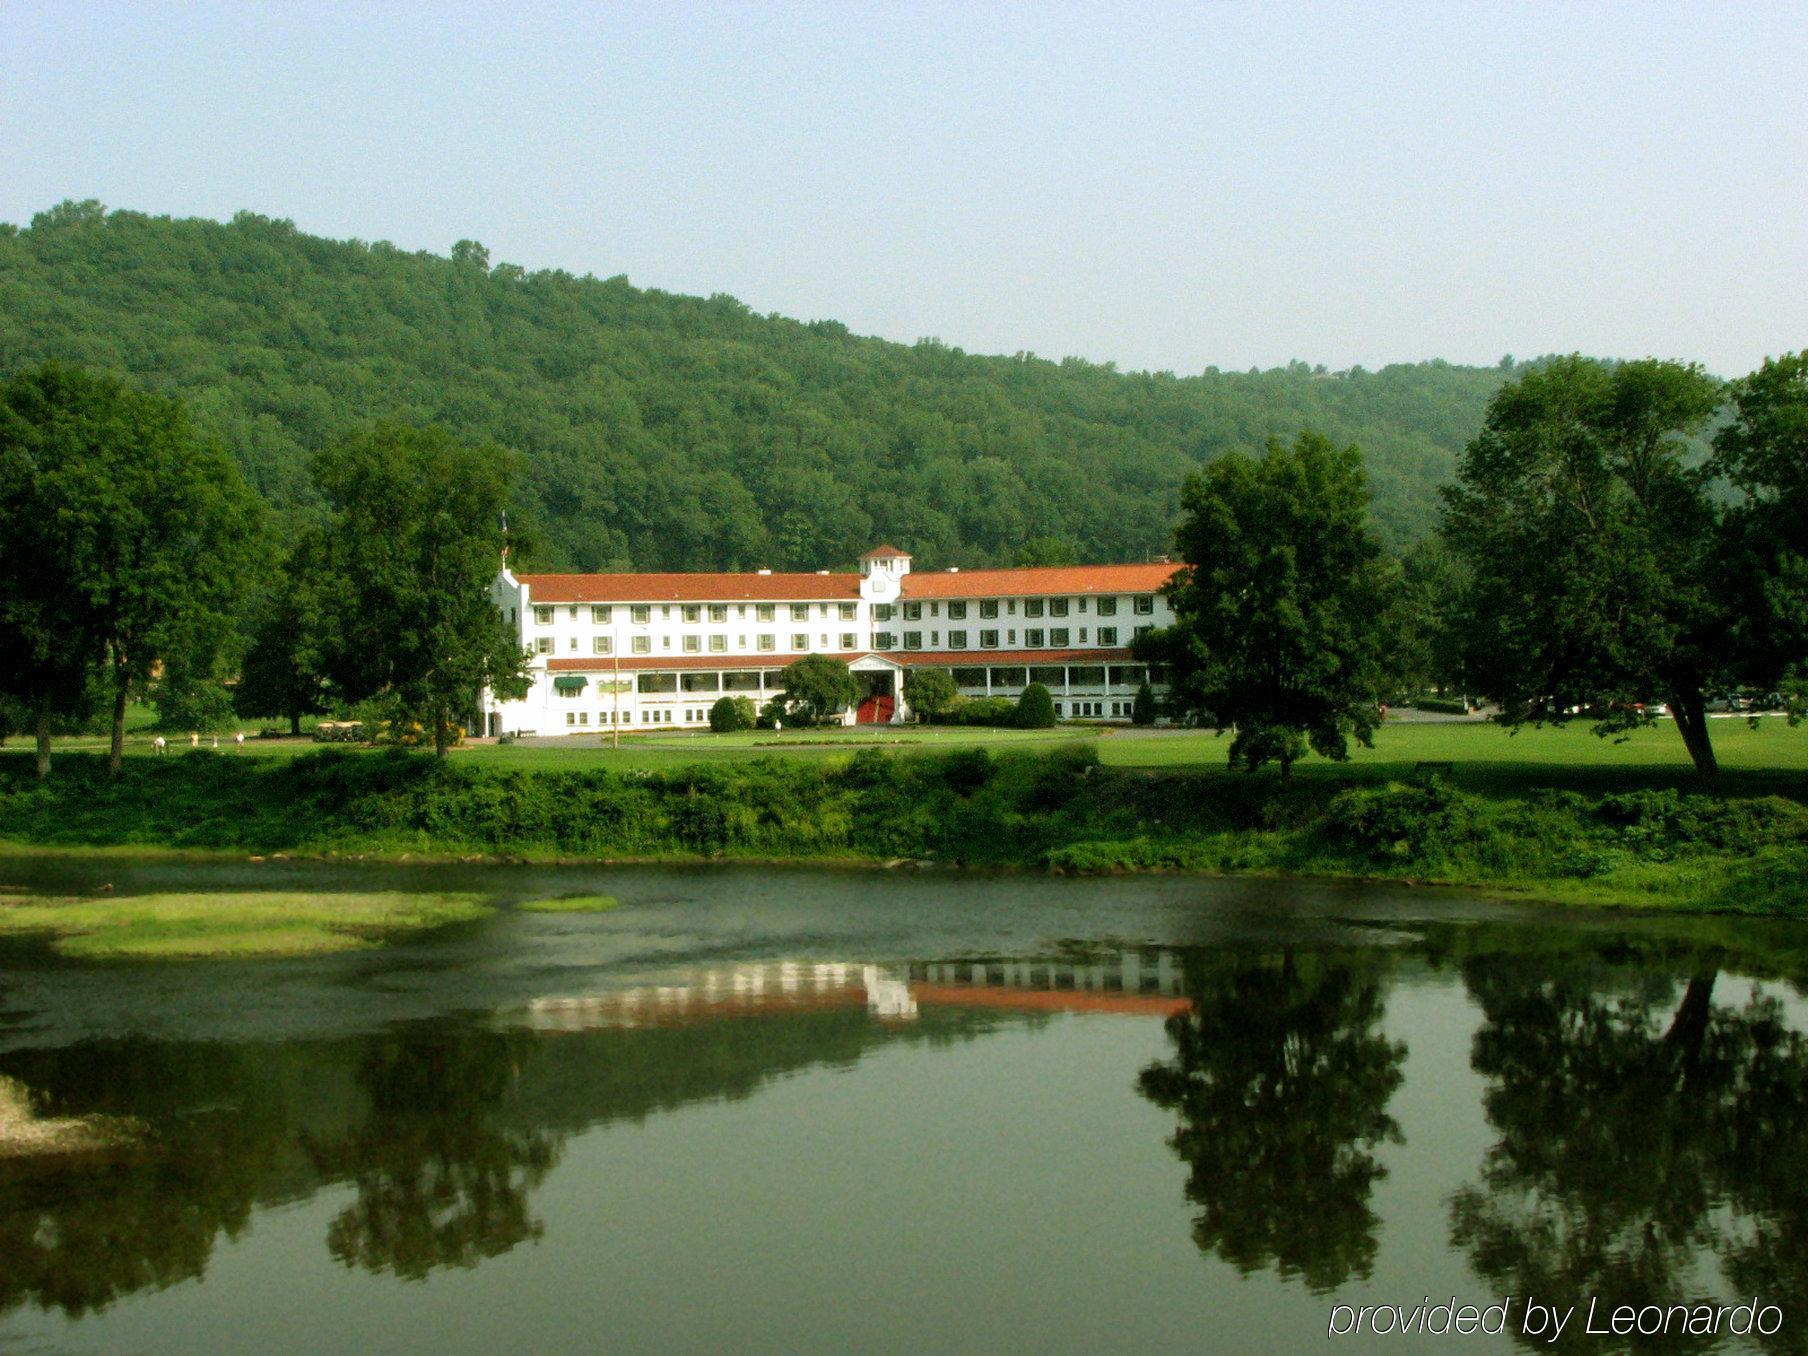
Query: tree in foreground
column 731, row 714
column 1596, row 585
column 815, row 688
column 1035, row 708
column 414, row 543
column 129, row 541
column 1142, row 709
column 930, row 693
column 1278, row 632
column 1763, row 450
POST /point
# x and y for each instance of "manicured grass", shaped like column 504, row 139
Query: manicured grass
column 571, row 904
column 1484, row 756
column 192, row 926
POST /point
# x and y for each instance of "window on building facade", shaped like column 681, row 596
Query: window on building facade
column 657, row 682
column 573, row 612
column 913, row 640
column 640, row 614
column 599, row 615
column 913, row 612
column 847, row 640
column 1108, row 607
column 571, row 643
column 543, row 645
column 845, row 611
column 988, row 608
column 1143, row 604
column 693, row 644
column 935, row 609
column 800, row 640
column 957, row 640
column 800, row 612
column 1108, row 635
column 1082, row 635
column 692, row 612
column 768, row 642
column 1079, row 604
column 1057, row 607
column 1032, row 607
column 957, row 611
column 1059, row 636
column 1010, row 637
column 988, row 640
column 718, row 644
column 601, row 645
column 762, row 612
column 884, row 640
column 571, row 717
column 543, row 616
column 641, row 644
column 718, row 612
column 1033, row 638
column 1141, row 631
column 883, row 612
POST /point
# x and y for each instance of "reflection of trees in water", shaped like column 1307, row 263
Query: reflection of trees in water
column 1643, row 1132
column 1282, row 1081
column 77, row 1236
column 440, row 1180
column 444, row 1129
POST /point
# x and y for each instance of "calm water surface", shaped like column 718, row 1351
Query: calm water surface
column 816, row 1111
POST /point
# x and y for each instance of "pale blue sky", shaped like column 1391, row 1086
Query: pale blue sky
column 1162, row 186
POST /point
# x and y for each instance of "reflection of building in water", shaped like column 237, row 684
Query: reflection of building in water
column 1131, row 982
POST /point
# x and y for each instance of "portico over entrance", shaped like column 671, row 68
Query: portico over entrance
column 881, row 682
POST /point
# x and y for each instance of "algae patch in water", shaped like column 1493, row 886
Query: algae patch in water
column 230, row 924
column 571, row 904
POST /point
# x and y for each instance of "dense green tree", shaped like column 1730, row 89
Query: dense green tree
column 152, row 532
column 1763, row 450
column 1281, row 1080
column 930, row 693
column 187, row 700
column 1142, row 709
column 1594, row 549
column 730, row 714
column 415, row 542
column 1424, row 644
column 1278, row 632
column 1046, row 551
column 815, row 688
column 1035, row 708
column 284, row 670
column 673, row 432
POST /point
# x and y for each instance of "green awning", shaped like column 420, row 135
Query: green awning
column 569, row 682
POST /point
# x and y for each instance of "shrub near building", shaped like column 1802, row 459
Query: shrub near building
column 1035, row 708
column 731, row 714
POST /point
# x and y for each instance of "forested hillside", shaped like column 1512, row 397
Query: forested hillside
column 674, row 432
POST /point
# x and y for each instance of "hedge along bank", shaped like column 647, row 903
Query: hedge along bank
column 1059, row 810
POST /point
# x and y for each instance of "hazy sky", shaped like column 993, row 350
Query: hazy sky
column 1161, row 186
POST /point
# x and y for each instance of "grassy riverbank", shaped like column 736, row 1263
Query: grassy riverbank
column 1590, row 834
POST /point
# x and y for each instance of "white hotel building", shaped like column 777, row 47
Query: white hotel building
column 657, row 650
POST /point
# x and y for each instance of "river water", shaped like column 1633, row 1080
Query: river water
column 810, row 1111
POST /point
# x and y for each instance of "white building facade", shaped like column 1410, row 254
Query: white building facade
column 656, row 651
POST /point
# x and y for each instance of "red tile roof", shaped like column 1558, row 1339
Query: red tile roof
column 961, row 659
column 602, row 663
column 689, row 588
column 1034, row 582
column 886, row 552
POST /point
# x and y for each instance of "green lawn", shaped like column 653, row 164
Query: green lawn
column 1483, row 757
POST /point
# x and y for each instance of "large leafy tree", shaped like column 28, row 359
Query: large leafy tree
column 1763, row 450
column 1278, row 632
column 131, row 541
column 414, row 543
column 816, row 687
column 284, row 670
column 1594, row 549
